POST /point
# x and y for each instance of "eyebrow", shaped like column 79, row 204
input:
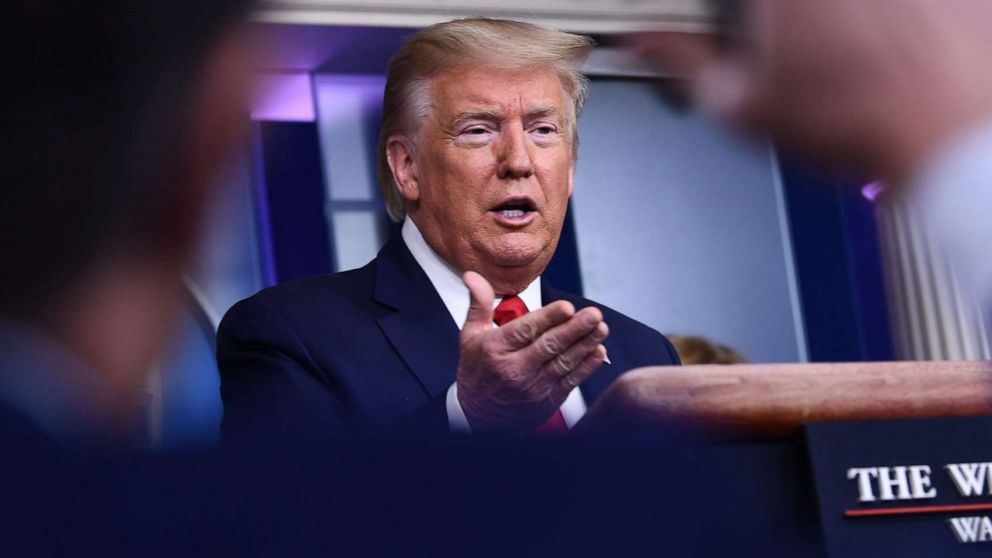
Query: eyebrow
column 488, row 115
column 541, row 111
column 495, row 116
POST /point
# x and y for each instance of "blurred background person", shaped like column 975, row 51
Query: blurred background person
column 694, row 349
column 111, row 132
column 898, row 90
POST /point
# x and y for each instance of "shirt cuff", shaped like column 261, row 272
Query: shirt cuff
column 457, row 420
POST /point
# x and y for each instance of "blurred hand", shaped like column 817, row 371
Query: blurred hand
column 512, row 378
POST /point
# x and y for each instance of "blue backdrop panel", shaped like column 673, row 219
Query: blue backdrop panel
column 293, row 185
column 563, row 271
column 838, row 266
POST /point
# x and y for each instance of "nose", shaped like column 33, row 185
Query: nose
column 514, row 154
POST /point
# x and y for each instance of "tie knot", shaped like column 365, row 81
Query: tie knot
column 509, row 309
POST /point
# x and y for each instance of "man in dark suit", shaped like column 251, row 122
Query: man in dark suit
column 477, row 153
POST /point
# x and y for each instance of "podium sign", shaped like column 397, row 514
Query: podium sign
column 904, row 488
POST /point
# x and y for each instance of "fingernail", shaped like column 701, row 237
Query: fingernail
column 606, row 357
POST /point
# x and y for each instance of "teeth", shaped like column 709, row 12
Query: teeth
column 511, row 213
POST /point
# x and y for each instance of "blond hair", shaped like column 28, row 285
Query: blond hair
column 441, row 47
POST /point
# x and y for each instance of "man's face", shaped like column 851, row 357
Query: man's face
column 493, row 172
column 842, row 79
column 794, row 68
column 874, row 84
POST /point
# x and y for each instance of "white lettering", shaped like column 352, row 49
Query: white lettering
column 864, row 474
column 969, row 478
column 972, row 529
column 986, row 534
column 919, row 482
column 894, row 477
column 966, row 528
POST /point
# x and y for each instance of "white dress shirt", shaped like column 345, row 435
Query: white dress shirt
column 453, row 292
column 953, row 191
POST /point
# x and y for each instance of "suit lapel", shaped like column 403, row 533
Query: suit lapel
column 602, row 378
column 422, row 331
column 420, row 328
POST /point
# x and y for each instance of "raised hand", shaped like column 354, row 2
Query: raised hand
column 512, row 378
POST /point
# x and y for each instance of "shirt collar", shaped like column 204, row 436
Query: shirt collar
column 447, row 280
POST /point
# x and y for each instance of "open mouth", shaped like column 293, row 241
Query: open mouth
column 515, row 209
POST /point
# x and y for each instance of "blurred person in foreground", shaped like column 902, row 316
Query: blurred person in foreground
column 477, row 153
column 111, row 126
column 899, row 90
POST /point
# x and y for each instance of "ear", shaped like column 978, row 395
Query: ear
column 400, row 155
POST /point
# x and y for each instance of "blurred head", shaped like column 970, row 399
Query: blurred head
column 872, row 84
column 699, row 350
column 110, row 129
column 478, row 142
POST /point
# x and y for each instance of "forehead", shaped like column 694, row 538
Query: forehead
column 469, row 88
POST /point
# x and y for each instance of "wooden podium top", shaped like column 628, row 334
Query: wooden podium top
column 759, row 401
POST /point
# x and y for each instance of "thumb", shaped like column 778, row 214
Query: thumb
column 480, row 308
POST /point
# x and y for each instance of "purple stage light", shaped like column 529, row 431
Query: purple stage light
column 283, row 97
column 873, row 190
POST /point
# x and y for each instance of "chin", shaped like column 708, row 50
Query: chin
column 513, row 268
column 513, row 251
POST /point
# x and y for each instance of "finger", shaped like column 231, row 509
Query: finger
column 581, row 373
column 559, row 338
column 480, row 307
column 570, row 358
column 522, row 332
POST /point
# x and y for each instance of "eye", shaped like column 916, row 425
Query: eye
column 474, row 135
column 475, row 131
column 545, row 130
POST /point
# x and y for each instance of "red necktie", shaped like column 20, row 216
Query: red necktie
column 509, row 309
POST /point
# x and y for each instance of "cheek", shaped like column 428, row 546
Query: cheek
column 553, row 175
column 467, row 175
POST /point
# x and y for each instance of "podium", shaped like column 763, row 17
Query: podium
column 774, row 401
column 808, row 460
column 846, row 459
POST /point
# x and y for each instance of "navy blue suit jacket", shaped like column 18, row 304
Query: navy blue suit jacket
column 369, row 350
